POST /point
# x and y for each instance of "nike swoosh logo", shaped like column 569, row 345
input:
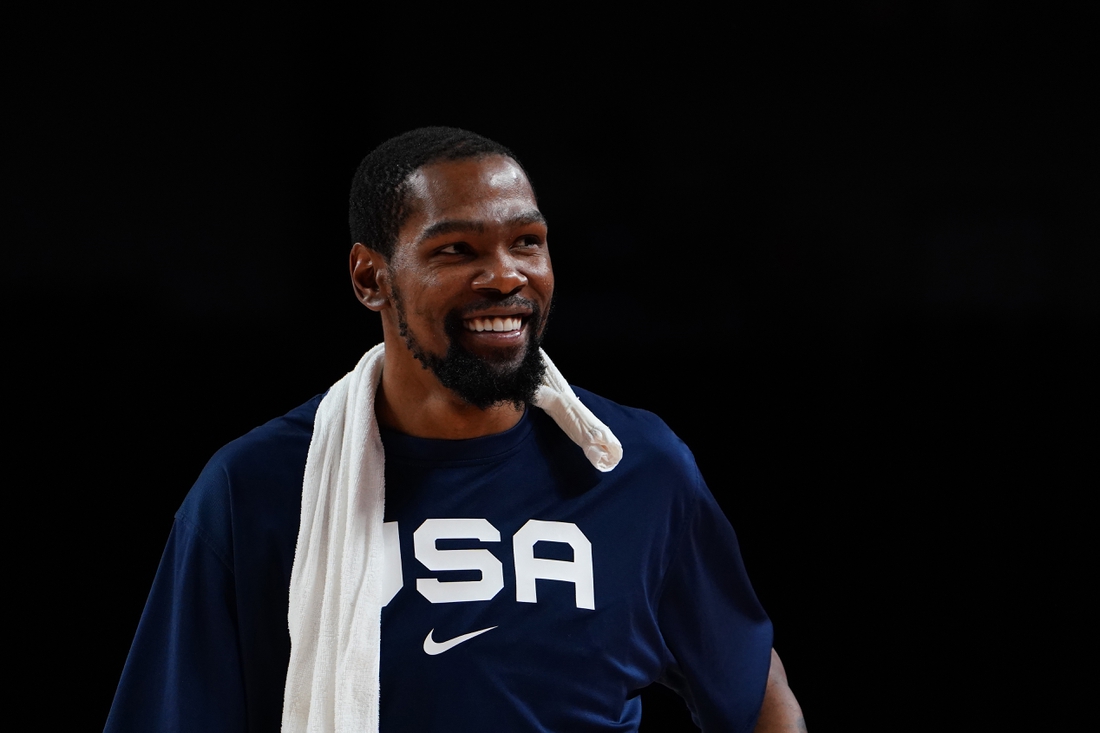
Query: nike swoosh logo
column 433, row 647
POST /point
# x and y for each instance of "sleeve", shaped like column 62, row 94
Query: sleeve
column 183, row 672
column 713, row 624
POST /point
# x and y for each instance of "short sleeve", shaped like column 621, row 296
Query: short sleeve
column 713, row 623
column 211, row 649
column 183, row 672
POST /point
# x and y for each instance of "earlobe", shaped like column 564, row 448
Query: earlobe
column 368, row 277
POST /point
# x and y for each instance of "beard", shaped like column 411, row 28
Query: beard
column 479, row 381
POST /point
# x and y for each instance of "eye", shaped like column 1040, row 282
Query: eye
column 455, row 248
column 529, row 240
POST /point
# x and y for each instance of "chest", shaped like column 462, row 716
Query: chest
column 510, row 594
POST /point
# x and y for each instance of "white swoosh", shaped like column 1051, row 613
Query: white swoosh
column 433, row 647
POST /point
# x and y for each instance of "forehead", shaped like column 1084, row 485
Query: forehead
column 487, row 190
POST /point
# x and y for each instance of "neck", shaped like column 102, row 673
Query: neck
column 411, row 400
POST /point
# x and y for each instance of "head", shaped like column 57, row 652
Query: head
column 451, row 250
column 379, row 205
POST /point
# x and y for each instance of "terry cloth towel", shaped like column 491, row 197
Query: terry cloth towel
column 336, row 582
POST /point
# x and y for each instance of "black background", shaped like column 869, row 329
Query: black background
column 848, row 257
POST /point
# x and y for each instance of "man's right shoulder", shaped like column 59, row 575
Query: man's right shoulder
column 284, row 437
column 255, row 479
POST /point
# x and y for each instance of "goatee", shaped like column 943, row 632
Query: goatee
column 479, row 381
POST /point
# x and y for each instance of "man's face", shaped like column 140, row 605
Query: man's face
column 471, row 278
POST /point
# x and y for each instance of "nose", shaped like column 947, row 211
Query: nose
column 501, row 273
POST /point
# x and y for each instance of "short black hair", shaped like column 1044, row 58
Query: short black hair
column 376, row 209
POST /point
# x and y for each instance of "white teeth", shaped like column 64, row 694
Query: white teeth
column 495, row 323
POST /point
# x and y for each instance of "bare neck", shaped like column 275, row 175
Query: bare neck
column 411, row 400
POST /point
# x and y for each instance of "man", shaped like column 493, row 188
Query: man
column 543, row 554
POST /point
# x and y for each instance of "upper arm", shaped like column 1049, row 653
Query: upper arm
column 183, row 671
column 780, row 711
column 714, row 625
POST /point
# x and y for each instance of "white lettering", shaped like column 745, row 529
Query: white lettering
column 391, row 570
column 492, row 572
column 529, row 568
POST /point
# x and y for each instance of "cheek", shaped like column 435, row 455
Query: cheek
column 416, row 290
column 430, row 306
column 545, row 276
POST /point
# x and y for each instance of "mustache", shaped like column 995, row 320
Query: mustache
column 452, row 322
column 508, row 301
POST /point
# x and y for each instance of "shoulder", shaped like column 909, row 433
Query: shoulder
column 257, row 449
column 644, row 435
column 253, row 480
column 657, row 467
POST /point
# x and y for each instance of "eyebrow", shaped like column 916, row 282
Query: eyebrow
column 452, row 226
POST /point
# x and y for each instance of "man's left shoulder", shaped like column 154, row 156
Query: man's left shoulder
column 644, row 435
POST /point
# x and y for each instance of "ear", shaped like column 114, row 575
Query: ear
column 369, row 277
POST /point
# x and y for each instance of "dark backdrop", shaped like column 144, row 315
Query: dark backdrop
column 850, row 259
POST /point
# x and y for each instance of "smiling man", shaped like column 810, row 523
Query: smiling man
column 451, row 538
column 475, row 330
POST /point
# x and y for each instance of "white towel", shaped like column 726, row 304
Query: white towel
column 336, row 582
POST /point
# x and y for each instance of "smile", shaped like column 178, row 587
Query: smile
column 495, row 323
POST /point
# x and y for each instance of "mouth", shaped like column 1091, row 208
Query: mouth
column 495, row 324
column 497, row 331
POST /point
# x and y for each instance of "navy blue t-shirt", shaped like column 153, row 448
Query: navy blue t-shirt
column 536, row 593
